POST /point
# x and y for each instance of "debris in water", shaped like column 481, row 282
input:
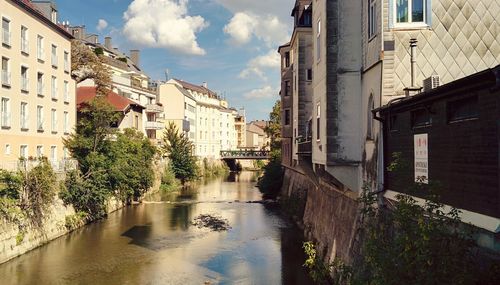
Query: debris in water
column 215, row 223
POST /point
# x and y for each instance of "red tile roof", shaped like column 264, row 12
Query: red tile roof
column 196, row 88
column 120, row 103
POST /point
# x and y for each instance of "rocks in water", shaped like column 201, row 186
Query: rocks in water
column 214, row 223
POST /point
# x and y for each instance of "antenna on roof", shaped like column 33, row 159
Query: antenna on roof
column 167, row 74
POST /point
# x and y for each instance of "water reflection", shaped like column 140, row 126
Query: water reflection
column 154, row 243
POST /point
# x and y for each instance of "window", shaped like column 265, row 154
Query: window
column 39, row 84
column 66, row 91
column 53, row 120
column 23, row 151
column 66, row 62
column 287, row 88
column 7, row 149
column 394, row 123
column 372, row 18
column 420, row 118
column 54, row 56
column 39, row 118
column 24, row 116
column 66, row 122
column 5, row 113
column 463, row 109
column 318, row 41
column 5, row 72
column 287, row 59
column 309, row 75
column 410, row 11
column 53, row 153
column 54, row 88
column 136, row 125
column 24, row 40
column 6, row 32
column 287, row 117
column 39, row 48
column 39, row 151
column 65, row 151
column 369, row 118
column 24, row 79
column 318, row 122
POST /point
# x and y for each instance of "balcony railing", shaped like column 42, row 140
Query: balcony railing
column 25, row 45
column 39, row 89
column 40, row 54
column 6, row 37
column 54, row 93
column 5, row 77
column 154, row 108
column 54, row 60
column 154, row 126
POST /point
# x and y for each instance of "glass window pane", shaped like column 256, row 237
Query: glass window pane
column 417, row 14
column 402, row 11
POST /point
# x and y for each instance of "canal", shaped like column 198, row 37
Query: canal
column 156, row 243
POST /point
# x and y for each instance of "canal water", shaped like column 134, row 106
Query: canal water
column 156, row 243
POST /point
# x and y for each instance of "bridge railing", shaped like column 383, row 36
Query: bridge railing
column 244, row 153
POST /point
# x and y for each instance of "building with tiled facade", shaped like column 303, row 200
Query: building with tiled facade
column 37, row 93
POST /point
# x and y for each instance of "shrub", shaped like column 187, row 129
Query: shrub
column 270, row 183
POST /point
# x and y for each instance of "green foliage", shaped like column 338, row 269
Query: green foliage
column 98, row 51
column 211, row 169
column 111, row 163
column 336, row 272
column 415, row 244
column 168, row 180
column 270, row 183
column 87, row 193
column 273, row 129
column 259, row 164
column 10, row 184
column 19, row 237
column 39, row 190
column 179, row 150
column 75, row 221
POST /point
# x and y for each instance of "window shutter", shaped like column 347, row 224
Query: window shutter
column 428, row 13
column 391, row 14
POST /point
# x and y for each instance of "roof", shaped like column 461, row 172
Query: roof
column 197, row 88
column 487, row 77
column 255, row 129
column 185, row 93
column 120, row 103
column 28, row 6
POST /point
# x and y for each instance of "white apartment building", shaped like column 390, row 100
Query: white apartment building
column 37, row 93
column 128, row 80
column 211, row 124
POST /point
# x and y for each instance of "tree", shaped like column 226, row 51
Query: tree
column 273, row 129
column 178, row 148
column 86, row 64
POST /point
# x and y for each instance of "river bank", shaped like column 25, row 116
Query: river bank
column 156, row 243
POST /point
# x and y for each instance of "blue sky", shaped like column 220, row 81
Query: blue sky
column 231, row 44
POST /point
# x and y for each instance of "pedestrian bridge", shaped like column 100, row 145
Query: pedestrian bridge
column 245, row 154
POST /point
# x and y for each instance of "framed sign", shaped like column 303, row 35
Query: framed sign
column 421, row 146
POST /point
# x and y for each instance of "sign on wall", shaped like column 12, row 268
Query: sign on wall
column 421, row 158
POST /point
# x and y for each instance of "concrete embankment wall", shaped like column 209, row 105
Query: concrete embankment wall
column 13, row 243
column 329, row 215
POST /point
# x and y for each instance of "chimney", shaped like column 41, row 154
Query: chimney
column 107, row 43
column 413, row 90
column 135, row 56
column 205, row 84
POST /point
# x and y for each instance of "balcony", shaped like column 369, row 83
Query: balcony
column 154, row 108
column 154, row 126
column 5, row 78
column 54, row 60
column 40, row 54
column 304, row 147
column 39, row 89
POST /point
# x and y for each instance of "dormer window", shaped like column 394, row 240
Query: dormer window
column 53, row 16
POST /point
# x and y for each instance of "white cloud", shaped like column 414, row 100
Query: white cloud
column 268, row 29
column 256, row 66
column 163, row 24
column 262, row 93
column 101, row 25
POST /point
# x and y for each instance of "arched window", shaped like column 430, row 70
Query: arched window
column 369, row 118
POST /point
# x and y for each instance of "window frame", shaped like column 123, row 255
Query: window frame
column 318, row 121
column 24, row 116
column 372, row 19
column 5, row 113
column 410, row 24
column 7, row 43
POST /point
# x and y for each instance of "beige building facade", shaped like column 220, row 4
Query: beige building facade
column 37, row 93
